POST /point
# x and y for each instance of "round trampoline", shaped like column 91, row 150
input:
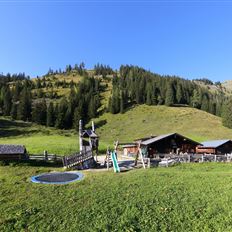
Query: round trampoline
column 57, row 177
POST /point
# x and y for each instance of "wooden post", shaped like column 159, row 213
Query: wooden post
column 45, row 155
column 80, row 136
column 115, row 148
column 107, row 158
column 189, row 158
column 202, row 158
column 141, row 156
column 148, row 162
column 93, row 128
column 215, row 158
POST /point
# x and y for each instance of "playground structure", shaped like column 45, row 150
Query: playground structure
column 88, row 142
column 111, row 159
column 87, row 157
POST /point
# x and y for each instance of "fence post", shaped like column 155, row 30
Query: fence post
column 202, row 158
column 189, row 158
column 215, row 158
column 46, row 155
column 148, row 162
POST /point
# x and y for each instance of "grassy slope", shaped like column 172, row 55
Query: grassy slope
column 137, row 122
column 146, row 120
column 189, row 197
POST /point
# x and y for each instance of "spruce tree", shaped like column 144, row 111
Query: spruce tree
column 227, row 114
column 205, row 103
column 78, row 115
column 149, row 95
column 7, row 102
column 24, row 108
column 50, row 115
column 13, row 112
column 60, row 123
column 68, row 118
column 122, row 102
column 169, row 99
column 179, row 94
column 92, row 108
column 195, row 101
column 43, row 113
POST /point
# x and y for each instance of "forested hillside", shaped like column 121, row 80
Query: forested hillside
column 62, row 97
column 135, row 85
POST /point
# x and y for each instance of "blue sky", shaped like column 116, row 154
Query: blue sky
column 191, row 39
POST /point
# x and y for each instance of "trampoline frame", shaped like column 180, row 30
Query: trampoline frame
column 34, row 180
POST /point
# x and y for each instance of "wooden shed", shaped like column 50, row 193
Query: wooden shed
column 130, row 149
column 12, row 152
column 170, row 143
column 217, row 147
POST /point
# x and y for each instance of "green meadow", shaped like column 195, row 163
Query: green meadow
column 187, row 197
column 135, row 123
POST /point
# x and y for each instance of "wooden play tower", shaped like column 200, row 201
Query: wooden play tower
column 88, row 142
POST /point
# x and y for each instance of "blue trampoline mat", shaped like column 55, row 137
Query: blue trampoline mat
column 57, row 177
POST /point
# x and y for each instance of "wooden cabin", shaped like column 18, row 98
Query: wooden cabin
column 12, row 152
column 217, row 147
column 163, row 144
column 170, row 143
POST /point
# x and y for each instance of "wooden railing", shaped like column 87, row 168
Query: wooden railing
column 196, row 157
column 50, row 157
column 78, row 158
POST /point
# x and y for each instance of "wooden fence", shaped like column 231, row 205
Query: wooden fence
column 186, row 158
column 46, row 157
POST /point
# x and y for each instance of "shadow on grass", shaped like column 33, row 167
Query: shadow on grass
column 15, row 128
column 8, row 124
column 32, row 163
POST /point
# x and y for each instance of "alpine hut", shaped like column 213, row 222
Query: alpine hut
column 169, row 143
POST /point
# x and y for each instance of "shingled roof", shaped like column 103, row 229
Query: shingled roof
column 11, row 149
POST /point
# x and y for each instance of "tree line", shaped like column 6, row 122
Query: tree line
column 135, row 85
column 82, row 103
column 26, row 100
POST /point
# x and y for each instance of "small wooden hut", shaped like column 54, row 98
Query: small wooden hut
column 12, row 152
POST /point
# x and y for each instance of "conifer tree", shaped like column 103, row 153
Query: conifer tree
column 169, row 99
column 122, row 102
column 13, row 112
column 205, row 103
column 149, row 95
column 227, row 114
column 78, row 115
column 60, row 123
column 179, row 94
column 92, row 108
column 50, row 115
column 7, row 102
column 24, row 108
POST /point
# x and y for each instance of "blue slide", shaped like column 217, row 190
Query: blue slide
column 115, row 161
